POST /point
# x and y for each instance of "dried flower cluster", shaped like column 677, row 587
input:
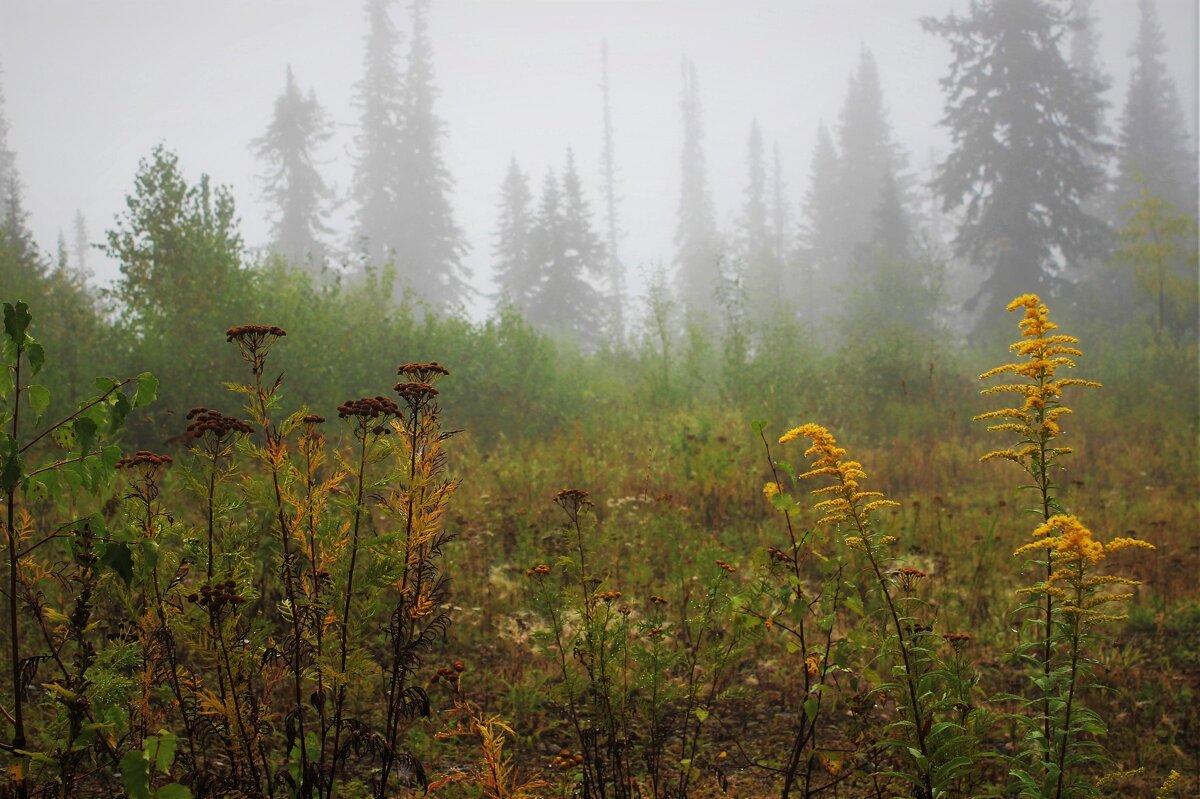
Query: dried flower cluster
column 423, row 372
column 367, row 408
column 206, row 421
column 144, row 458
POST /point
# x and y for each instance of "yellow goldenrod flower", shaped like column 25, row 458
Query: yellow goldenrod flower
column 842, row 501
column 1125, row 543
column 771, row 490
column 1073, row 551
column 1073, row 542
column 1168, row 787
column 1042, row 354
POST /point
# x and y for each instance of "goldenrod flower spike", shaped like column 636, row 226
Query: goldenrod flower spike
column 845, row 502
column 1073, row 550
column 1037, row 420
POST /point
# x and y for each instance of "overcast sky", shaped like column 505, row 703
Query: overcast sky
column 91, row 87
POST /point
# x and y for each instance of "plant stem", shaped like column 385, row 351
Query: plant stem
column 18, row 740
column 340, row 699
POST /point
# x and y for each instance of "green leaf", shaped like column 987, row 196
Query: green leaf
column 811, row 708
column 135, row 775
column 35, row 490
column 149, row 555
column 118, row 558
column 11, row 470
column 39, row 400
column 173, row 790
column 36, row 355
column 85, row 434
column 701, row 714
column 920, row 759
column 120, row 409
column 147, row 390
column 110, row 455
column 165, row 753
column 16, row 322
column 64, row 436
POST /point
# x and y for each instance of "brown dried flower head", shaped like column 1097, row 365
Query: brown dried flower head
column 779, row 555
column 219, row 596
column 145, row 458
column 572, row 499
column 727, row 567
column 415, row 395
column 254, row 335
column 206, row 421
column 908, row 577
column 423, row 372
column 958, row 640
column 367, row 408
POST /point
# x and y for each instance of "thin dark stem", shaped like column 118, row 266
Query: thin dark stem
column 808, row 727
column 237, row 709
column 340, row 699
column 314, row 560
column 18, row 741
column 74, row 415
column 273, row 444
column 1043, row 478
column 398, row 672
column 212, row 492
column 1066, row 726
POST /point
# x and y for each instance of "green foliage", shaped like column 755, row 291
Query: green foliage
column 1159, row 245
column 182, row 277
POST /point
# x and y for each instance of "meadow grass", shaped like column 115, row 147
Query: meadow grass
column 644, row 603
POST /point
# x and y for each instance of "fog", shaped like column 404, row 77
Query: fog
column 92, row 87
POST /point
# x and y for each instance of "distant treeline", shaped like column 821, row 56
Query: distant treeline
column 879, row 277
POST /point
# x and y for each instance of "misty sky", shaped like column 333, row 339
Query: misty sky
column 91, row 87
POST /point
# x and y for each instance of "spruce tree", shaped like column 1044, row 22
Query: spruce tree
column 891, row 233
column 697, row 245
column 378, row 97
column 567, row 256
column 545, row 247
column 10, row 184
column 1085, row 40
column 616, row 270
column 755, row 242
column 1154, row 144
column 869, row 164
column 1024, row 127
column 22, row 267
column 81, row 246
column 821, row 226
column 291, row 183
column 516, row 275
column 429, row 244
column 780, row 217
column 1084, row 55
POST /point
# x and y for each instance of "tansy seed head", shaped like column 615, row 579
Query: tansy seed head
column 144, row 458
column 367, row 408
column 423, row 372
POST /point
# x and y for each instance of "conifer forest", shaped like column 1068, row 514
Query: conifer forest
column 605, row 399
